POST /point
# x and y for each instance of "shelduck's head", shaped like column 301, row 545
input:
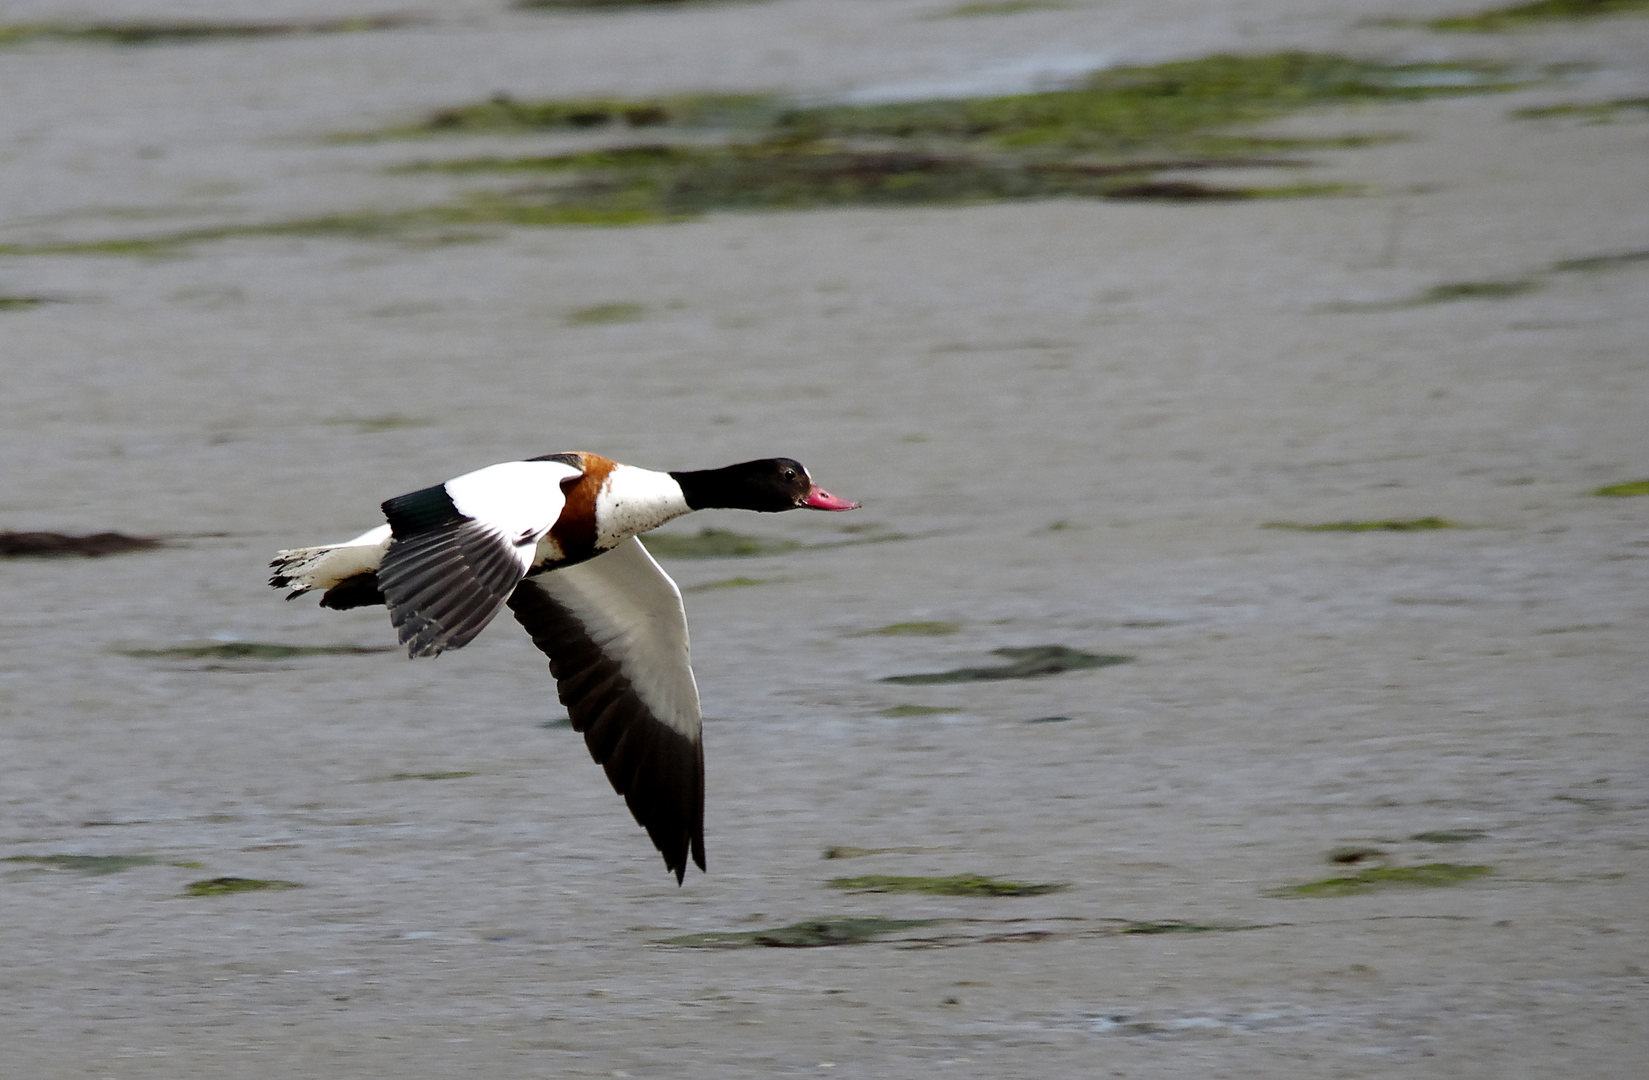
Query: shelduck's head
column 770, row 485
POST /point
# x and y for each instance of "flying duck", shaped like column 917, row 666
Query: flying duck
column 555, row 538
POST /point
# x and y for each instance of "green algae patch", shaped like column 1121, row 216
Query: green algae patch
column 1026, row 663
column 785, row 173
column 1624, row 491
column 1594, row 112
column 1498, row 288
column 224, row 886
column 989, row 8
column 901, row 712
column 1081, row 141
column 1449, row 836
column 872, row 538
column 1613, row 260
column 502, row 114
column 648, row 155
column 811, row 934
column 848, row 851
column 372, row 425
column 1423, row 524
column 1124, row 109
column 87, row 865
column 1533, row 14
column 955, row 885
column 821, row 172
column 912, row 629
column 1451, row 291
column 189, row 31
column 422, row 226
column 1165, row 106
column 251, row 650
column 454, row 775
column 148, row 247
column 730, row 583
column 1112, row 136
column 622, row 311
column 1447, row 292
column 55, row 545
column 610, row 5
column 715, row 544
column 1431, row 875
column 1175, row 926
column 22, row 303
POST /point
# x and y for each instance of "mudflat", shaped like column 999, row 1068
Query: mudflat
column 1237, row 667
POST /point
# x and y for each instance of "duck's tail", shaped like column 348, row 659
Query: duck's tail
column 348, row 572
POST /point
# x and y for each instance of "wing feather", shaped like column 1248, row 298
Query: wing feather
column 461, row 547
column 616, row 636
column 443, row 587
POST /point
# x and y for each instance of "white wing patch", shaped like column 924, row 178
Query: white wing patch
column 518, row 499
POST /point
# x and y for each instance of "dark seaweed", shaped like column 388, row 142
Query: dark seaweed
column 252, row 650
column 1027, row 663
column 1540, row 11
column 47, row 545
column 182, row 32
column 954, row 885
column 89, row 865
column 812, row 934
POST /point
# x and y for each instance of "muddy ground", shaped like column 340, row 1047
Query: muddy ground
column 1071, row 422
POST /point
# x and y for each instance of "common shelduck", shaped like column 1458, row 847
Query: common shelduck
column 554, row 537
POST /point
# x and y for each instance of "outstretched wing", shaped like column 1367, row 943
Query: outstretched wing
column 461, row 547
column 616, row 636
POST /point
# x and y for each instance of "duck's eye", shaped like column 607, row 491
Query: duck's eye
column 790, row 474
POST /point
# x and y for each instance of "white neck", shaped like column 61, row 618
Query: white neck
column 633, row 501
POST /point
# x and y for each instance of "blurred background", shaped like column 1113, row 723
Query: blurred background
column 1247, row 404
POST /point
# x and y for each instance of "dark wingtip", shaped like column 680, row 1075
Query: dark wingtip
column 679, row 865
column 675, row 858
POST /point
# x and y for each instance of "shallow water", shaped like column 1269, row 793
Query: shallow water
column 1081, row 416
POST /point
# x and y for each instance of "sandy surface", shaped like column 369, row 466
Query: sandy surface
column 1158, row 381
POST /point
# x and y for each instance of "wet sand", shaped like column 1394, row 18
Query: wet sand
column 1080, row 415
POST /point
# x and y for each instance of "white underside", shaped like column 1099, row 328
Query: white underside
column 632, row 612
